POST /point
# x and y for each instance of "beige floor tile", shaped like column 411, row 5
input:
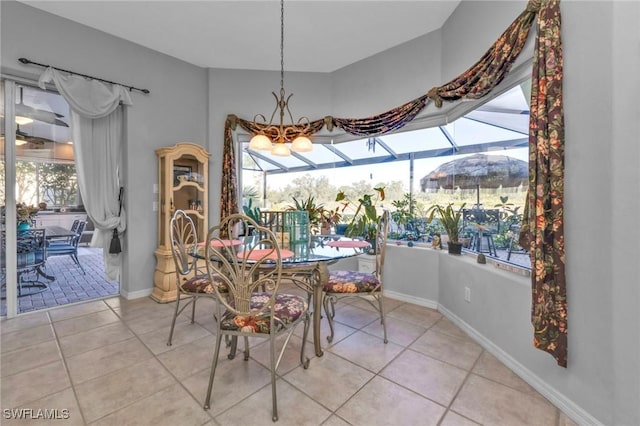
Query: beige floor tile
column 377, row 355
column 30, row 357
column 294, row 408
column 454, row 419
column 419, row 315
column 444, row 325
column 152, row 321
column 488, row 402
column 28, row 337
column 340, row 332
column 235, row 380
column 490, row 367
column 93, row 339
column 61, row 405
column 24, row 321
column 171, row 406
column 462, row 353
column 353, row 316
column 290, row 358
column 183, row 333
column 429, row 377
column 335, row 421
column 106, row 394
column 78, row 310
column 143, row 306
column 106, row 359
column 330, row 380
column 186, row 360
column 84, row 323
column 400, row 332
column 34, row 384
column 382, row 402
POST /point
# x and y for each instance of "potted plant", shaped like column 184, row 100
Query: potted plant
column 315, row 211
column 254, row 213
column 451, row 222
column 365, row 219
column 25, row 215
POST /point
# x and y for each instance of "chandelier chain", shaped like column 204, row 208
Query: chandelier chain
column 282, row 46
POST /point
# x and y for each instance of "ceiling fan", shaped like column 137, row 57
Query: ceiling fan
column 45, row 116
column 23, row 138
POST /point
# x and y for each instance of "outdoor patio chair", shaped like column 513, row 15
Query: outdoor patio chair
column 65, row 240
column 247, row 310
column 69, row 248
column 368, row 286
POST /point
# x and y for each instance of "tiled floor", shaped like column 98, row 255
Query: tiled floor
column 107, row 363
column 70, row 285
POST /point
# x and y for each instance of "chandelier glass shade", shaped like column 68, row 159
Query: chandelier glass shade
column 272, row 136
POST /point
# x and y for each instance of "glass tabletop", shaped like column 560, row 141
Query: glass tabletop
column 320, row 248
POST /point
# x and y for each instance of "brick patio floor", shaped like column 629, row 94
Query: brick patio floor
column 70, row 285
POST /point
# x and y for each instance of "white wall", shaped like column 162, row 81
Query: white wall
column 176, row 109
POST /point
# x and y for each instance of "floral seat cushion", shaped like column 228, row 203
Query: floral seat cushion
column 202, row 284
column 288, row 308
column 351, row 282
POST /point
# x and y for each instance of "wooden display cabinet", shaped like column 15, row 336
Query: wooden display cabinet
column 183, row 177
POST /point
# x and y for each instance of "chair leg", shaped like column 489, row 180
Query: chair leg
column 74, row 256
column 175, row 316
column 193, row 309
column 382, row 317
column 214, row 364
column 246, row 348
column 274, row 397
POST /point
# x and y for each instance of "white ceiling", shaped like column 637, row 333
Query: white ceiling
column 320, row 36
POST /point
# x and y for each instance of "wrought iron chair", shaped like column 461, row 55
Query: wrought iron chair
column 246, row 310
column 69, row 248
column 191, row 283
column 368, row 286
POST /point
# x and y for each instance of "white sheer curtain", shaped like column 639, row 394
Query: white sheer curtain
column 96, row 127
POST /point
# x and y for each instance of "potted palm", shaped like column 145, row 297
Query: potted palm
column 451, row 222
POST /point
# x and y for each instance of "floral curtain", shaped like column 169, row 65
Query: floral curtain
column 543, row 225
column 542, row 231
column 229, row 190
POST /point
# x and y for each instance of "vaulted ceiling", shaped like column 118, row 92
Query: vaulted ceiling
column 320, row 36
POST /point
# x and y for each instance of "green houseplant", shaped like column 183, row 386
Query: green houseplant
column 365, row 219
column 451, row 222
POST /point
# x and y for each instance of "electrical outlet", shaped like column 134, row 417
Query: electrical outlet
column 155, row 189
column 155, row 206
column 467, row 294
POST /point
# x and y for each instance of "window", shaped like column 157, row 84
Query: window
column 480, row 159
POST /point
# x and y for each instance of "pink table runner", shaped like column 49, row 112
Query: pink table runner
column 271, row 254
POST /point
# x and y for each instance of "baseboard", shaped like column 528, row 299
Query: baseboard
column 411, row 299
column 129, row 295
column 567, row 406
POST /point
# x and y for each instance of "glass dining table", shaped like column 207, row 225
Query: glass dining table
column 310, row 260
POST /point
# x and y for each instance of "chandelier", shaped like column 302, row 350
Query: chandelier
column 274, row 137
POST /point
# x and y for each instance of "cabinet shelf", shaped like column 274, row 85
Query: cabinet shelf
column 183, row 184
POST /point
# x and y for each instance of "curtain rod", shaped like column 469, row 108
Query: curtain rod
column 28, row 61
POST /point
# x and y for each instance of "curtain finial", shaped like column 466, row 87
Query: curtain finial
column 328, row 123
column 232, row 121
column 433, row 95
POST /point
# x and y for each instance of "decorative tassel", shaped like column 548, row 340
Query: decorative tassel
column 114, row 247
